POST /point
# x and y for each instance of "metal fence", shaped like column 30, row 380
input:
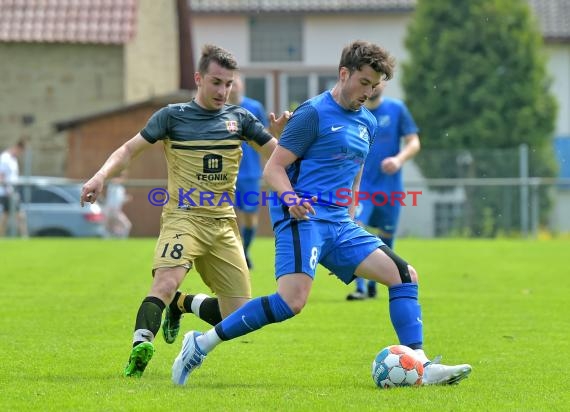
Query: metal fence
column 506, row 207
column 479, row 206
column 485, row 193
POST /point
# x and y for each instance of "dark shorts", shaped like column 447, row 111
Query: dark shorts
column 5, row 203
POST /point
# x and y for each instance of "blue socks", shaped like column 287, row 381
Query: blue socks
column 360, row 285
column 406, row 314
column 254, row 315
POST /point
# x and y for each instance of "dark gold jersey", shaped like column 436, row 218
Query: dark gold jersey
column 203, row 152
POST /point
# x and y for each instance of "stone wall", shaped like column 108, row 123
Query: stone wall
column 151, row 58
column 43, row 83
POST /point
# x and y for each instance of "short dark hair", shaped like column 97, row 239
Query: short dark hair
column 361, row 53
column 214, row 53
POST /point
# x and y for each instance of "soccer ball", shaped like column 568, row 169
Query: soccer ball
column 397, row 365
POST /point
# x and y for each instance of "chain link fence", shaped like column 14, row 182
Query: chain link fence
column 478, row 193
column 484, row 193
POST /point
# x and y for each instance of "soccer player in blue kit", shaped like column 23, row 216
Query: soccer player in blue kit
column 383, row 173
column 322, row 150
column 248, row 183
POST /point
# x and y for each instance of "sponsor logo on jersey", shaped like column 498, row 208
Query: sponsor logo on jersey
column 212, row 163
column 212, row 177
column 212, row 166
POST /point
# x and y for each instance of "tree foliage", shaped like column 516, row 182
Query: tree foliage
column 476, row 79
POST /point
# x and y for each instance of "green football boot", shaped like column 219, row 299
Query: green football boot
column 140, row 357
column 170, row 326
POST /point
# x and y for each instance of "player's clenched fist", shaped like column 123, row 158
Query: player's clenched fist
column 92, row 189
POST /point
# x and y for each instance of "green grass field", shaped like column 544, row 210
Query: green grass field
column 68, row 307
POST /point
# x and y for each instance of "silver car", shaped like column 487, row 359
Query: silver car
column 52, row 208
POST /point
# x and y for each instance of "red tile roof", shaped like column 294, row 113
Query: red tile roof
column 230, row 6
column 68, row 21
column 553, row 15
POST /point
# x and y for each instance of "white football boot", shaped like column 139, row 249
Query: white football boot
column 189, row 359
column 437, row 374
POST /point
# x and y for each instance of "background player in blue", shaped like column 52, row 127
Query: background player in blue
column 321, row 151
column 249, row 173
column 383, row 172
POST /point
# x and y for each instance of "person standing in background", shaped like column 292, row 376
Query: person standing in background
column 116, row 221
column 249, row 173
column 383, row 173
column 9, row 196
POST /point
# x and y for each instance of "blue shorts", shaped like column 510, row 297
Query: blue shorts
column 339, row 246
column 384, row 217
column 248, row 197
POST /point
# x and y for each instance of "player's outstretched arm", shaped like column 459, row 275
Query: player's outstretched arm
column 116, row 163
column 277, row 124
column 267, row 149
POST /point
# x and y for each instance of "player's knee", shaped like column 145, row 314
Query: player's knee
column 294, row 291
column 296, row 304
column 165, row 287
column 413, row 274
column 401, row 264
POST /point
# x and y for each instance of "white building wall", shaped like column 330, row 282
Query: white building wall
column 558, row 66
column 229, row 32
column 325, row 36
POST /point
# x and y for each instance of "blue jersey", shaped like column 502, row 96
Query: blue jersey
column 250, row 166
column 394, row 122
column 331, row 144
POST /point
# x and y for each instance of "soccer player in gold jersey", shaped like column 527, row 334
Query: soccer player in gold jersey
column 202, row 144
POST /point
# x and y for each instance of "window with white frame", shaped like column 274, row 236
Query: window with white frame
column 276, row 39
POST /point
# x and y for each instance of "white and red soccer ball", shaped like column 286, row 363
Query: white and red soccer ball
column 397, row 365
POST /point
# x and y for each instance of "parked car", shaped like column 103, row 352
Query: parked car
column 52, row 208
